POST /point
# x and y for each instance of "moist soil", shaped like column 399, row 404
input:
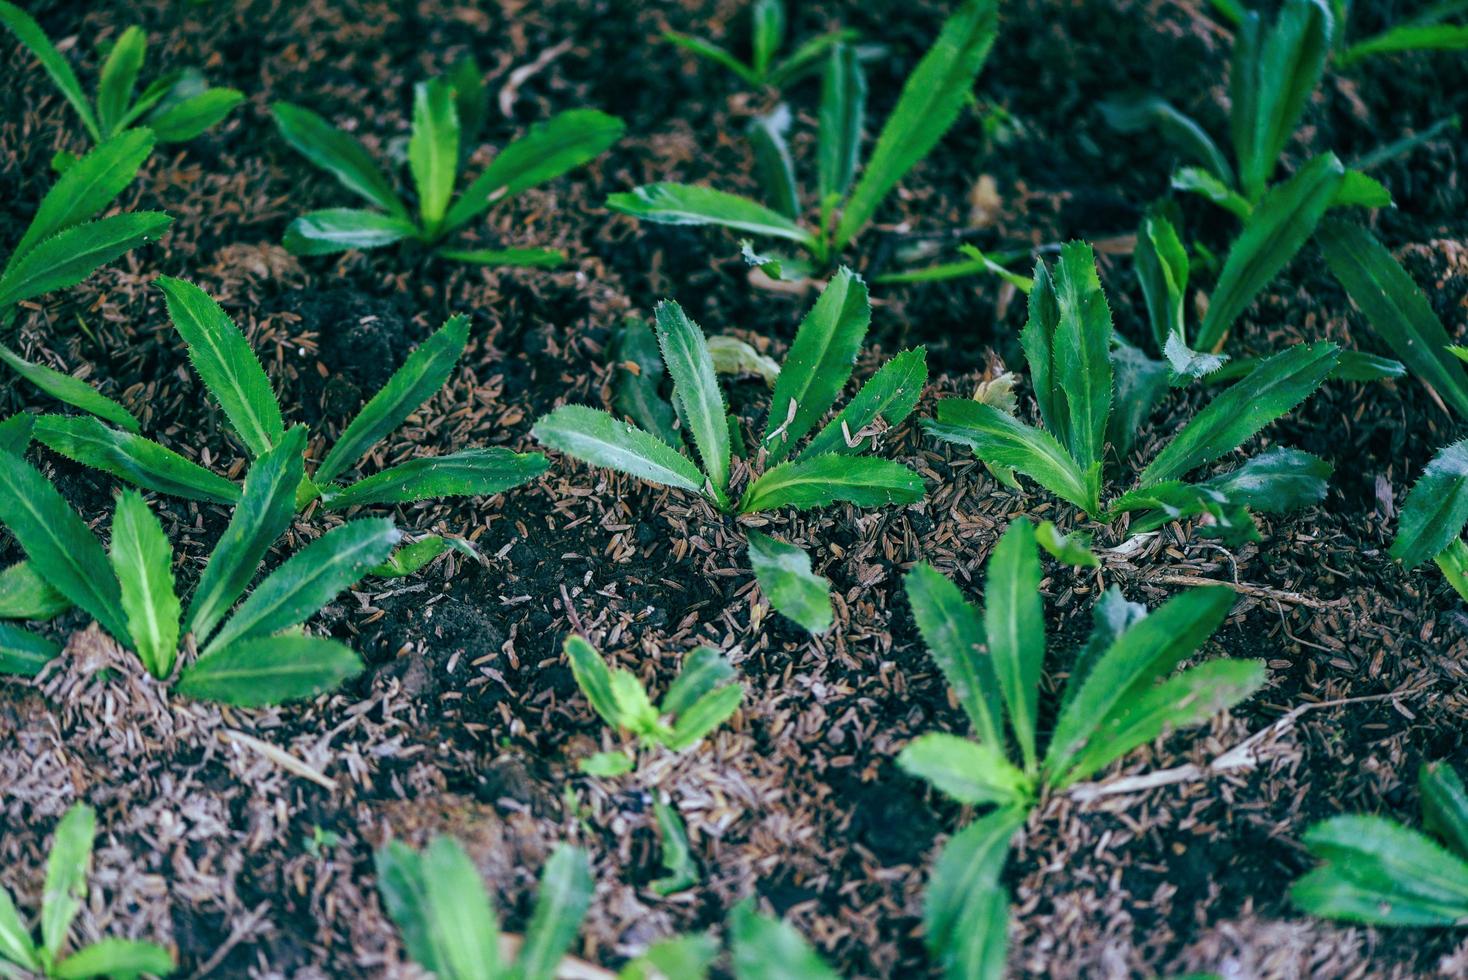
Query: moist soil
column 467, row 720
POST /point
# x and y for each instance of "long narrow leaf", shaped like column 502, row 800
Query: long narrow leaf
column 270, row 670
column 687, row 204
column 1445, row 804
column 433, row 149
column 23, row 653
column 338, row 153
column 966, row 910
column 67, row 867
column 72, row 391
column 1291, row 63
column 565, row 894
column 193, row 115
column 823, row 480
column 954, row 635
column 70, row 255
column 1082, row 344
column 335, row 230
column 1436, row 509
column 1408, row 37
column 843, row 109
column 119, row 77
column 1014, row 622
column 1002, row 440
column 115, row 957
column 974, row 773
column 772, row 161
column 639, row 376
column 696, row 391
column 887, row 398
column 595, row 437
column 141, row 462
column 25, row 28
column 142, row 560
column 460, row 917
column 466, row 473
column 25, row 595
column 762, row 948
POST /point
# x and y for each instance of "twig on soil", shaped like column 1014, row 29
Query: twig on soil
column 280, row 757
column 1244, row 588
column 571, row 613
column 524, row 73
column 1245, row 755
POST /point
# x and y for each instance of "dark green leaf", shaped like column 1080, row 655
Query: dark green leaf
column 595, row 437
column 1014, row 622
column 966, row 910
column 1196, row 180
column 131, row 457
column 1082, row 353
column 733, row 356
column 1162, row 271
column 339, row 154
column 513, row 258
column 1289, row 65
column 772, row 161
column 1140, row 384
column 954, row 635
column 1436, row 509
column 15, row 433
column 639, row 375
column 687, row 204
column 696, row 392
column 192, row 116
column 785, row 577
column 66, row 876
column 119, row 76
column 1408, row 37
column 823, row 480
column 714, row 53
column 768, row 18
column 768, row 949
column 466, row 473
column 29, row 33
column 1112, row 615
column 23, row 653
column 843, row 108
column 1038, row 341
column 1002, row 440
column 72, row 391
column 883, row 403
column 1445, row 804
column 1136, row 114
column 433, row 149
column 25, row 595
column 974, row 773
column 471, row 101
column 270, row 670
column 340, row 229
column 1276, row 481
column 70, row 255
column 115, row 958
column 1379, row 872
column 400, row 882
column 142, row 560
column 565, row 894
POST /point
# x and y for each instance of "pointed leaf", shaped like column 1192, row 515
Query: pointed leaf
column 966, row 910
column 1436, row 509
column 596, row 438
column 639, row 376
column 1276, row 481
column 974, row 773
column 192, row 116
column 1445, row 804
column 707, row 49
column 270, row 670
column 471, row 101
column 1083, row 352
column 702, row 671
column 115, row 958
column 1135, row 114
column 72, row 391
column 66, row 876
column 768, row 949
column 703, row 716
column 785, row 577
column 954, row 635
column 769, row 33
column 843, row 109
column 466, row 473
column 25, row 595
column 887, row 398
column 341, row 229
column 70, row 255
column 1291, row 62
column 823, row 480
column 1196, row 180
column 511, row 258
column 594, row 678
column 15, row 433
column 29, row 33
column 565, row 894
column 1014, row 622
column 1408, row 37
column 1038, row 341
column 15, row 939
column 687, row 204
column 1002, row 440
column 460, row 917
column 142, row 559
column 1162, row 271
column 119, row 76
column 404, row 890
column 127, row 456
column 677, row 857
column 433, row 149
column 1380, row 872
column 696, row 391
column 338, row 153
column 1112, row 615
column 23, row 653
column 772, row 161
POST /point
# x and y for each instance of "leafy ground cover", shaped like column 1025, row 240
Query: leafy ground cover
column 246, row 841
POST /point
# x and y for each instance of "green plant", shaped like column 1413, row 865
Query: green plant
column 829, row 469
column 448, row 922
column 1426, row 30
column 175, row 107
column 1123, row 691
column 66, row 888
column 702, row 698
column 767, row 35
column 231, row 372
column 930, row 103
column 1378, row 872
column 1090, row 394
column 448, row 114
column 257, row 655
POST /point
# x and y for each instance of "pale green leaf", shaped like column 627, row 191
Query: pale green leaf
column 565, row 894
column 703, row 716
column 975, row 773
column 687, row 204
column 1072, row 549
column 768, row 949
column 340, row 229
column 595, row 437
column 785, row 577
column 823, row 480
column 115, row 958
column 142, row 559
column 702, row 671
column 433, row 149
column 461, row 919
column 15, row 939
column 339, row 154
column 954, row 635
column 594, row 678
column 66, row 876
column 696, row 392
column 966, row 909
column 677, row 856
column 1379, row 872
column 270, row 670
column 1014, row 622
column 25, row 595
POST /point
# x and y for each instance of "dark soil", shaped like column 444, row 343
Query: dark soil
column 468, row 720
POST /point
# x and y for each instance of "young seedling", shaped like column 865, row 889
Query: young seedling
column 830, row 468
column 1377, row 872
column 1088, row 398
column 67, row 869
column 1427, row 30
column 760, row 948
column 1123, row 691
column 174, row 108
column 448, row 923
column 701, row 699
column 767, row 36
column 255, row 656
column 233, row 375
column 930, row 103
column 447, row 116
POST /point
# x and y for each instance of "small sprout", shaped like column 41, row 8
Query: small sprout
column 831, row 467
column 447, row 115
column 66, row 889
column 320, row 841
column 767, row 32
column 677, row 857
column 1072, row 549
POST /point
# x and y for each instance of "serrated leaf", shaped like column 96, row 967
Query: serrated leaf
column 595, row 437
column 60, row 546
column 932, row 97
column 1362, row 191
column 975, row 773
column 24, row 653
column 1272, row 389
column 115, row 958
column 142, row 559
column 270, row 670
column 823, row 480
column 785, row 577
column 1445, row 804
column 762, row 948
column 226, row 364
column 339, row 154
column 887, row 398
column 1112, row 615
column 639, row 376
column 466, row 473
column 1279, row 225
column 1162, row 270
column 1289, row 66
column 29, row 33
column 843, row 109
column 1453, row 563
column 1082, row 352
column 69, row 390
column 193, row 115
column 772, row 161
column 433, row 149
column 66, row 876
column 130, row 457
column 335, row 230
column 423, row 373
column 819, row 362
column 1276, row 481
column 1002, row 440
column 25, row 595
column 1038, row 342
column 411, row 558
column 549, row 149
column 1379, row 872
column 954, row 635
column 1395, row 306
column 119, row 76
column 696, row 392
column 1188, row 364
column 565, row 895
column 687, row 204
column 263, row 514
column 966, row 909
column 1140, row 384
column 15, row 433
column 72, row 254
column 1436, row 508
column 1014, row 623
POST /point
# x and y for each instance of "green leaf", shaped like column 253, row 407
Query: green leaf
column 25, row 595
column 596, row 438
column 263, row 514
column 772, row 161
column 703, row 716
column 1359, row 190
column 1272, row 389
column 1135, row 114
column 192, row 116
column 696, row 392
column 269, row 670
column 607, row 765
column 1037, row 339
column 433, row 149
column 954, row 635
column 66, row 876
column 685, row 957
column 785, row 577
column 769, row 33
column 974, row 773
column 887, row 398
column 1276, row 481
column 516, row 258
column 226, row 364
column 807, row 56
column 142, row 559
column 1149, row 649
column 1436, row 508
column 1356, row 365
column 1445, row 804
column 823, row 480
column 1381, row 873
column 714, row 53
column 87, row 187
column 72, row 391
column 23, row 653
column 1396, row 307
column 702, row 671
column 1082, row 353
column 70, row 255
column 1196, row 180
column 15, row 939
column 119, row 76
column 677, row 857
column 29, row 33
column 411, row 558
column 819, row 362
column 551, row 148
column 339, row 154
column 966, row 910
column 931, row 100
column 115, row 958
column 565, row 895
column 732, row 356
column 843, row 108
column 1453, row 563
column 1279, row 225
column 15, row 433
column 131, row 457
column 341, row 229
column 1112, row 615
column 60, row 546
column 309, row 579
column 466, row 473
column 1002, row 440
column 1072, row 549
column 768, row 949
column 1014, row 622
column 461, row 919
column 594, row 678
column 687, row 204
column 1140, row 384
column 400, row 882
column 1162, row 270
column 471, row 101
column 638, row 367
column 1408, row 37
column 423, row 373
column 1289, row 67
